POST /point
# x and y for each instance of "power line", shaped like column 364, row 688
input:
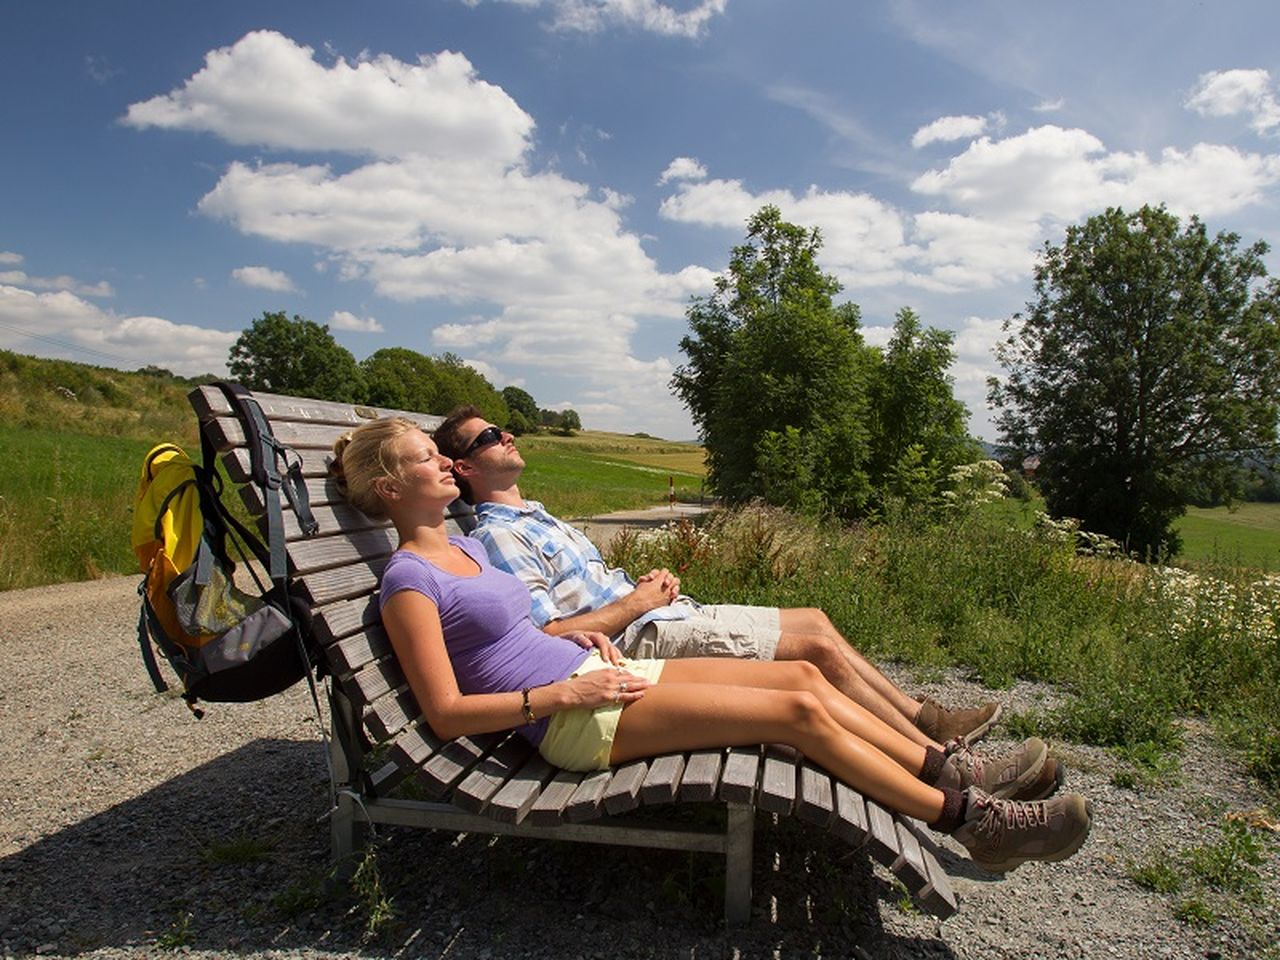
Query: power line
column 67, row 344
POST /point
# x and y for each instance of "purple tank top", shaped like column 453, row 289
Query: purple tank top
column 492, row 643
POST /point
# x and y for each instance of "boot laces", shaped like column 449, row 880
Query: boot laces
column 1001, row 815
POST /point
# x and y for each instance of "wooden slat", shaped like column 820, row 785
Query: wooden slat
column 777, row 782
column 586, row 800
column 351, row 653
column 209, row 401
column 375, row 680
column 324, row 553
column 850, row 823
column 883, row 837
column 388, row 715
column 623, row 792
column 816, row 802
column 517, row 796
column 738, row 780
column 342, row 583
column 453, row 761
column 343, row 619
column 701, row 776
column 662, row 781
column 549, row 808
column 909, row 866
column 937, row 896
column 487, row 778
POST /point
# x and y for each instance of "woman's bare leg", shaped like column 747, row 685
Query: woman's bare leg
column 799, row 675
column 675, row 716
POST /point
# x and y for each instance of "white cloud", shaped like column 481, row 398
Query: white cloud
column 1050, row 106
column 64, row 325
column 591, row 16
column 1227, row 93
column 264, row 278
column 8, row 256
column 70, row 284
column 345, row 320
column 683, row 168
column 949, row 128
column 266, row 89
column 1059, row 174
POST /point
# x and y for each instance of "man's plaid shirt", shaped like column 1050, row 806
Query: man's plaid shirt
column 563, row 570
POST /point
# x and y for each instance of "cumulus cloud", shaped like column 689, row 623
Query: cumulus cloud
column 345, row 320
column 61, row 324
column 264, row 278
column 1229, row 93
column 683, row 168
column 63, row 282
column 8, row 256
column 592, row 16
column 949, row 128
column 1060, row 174
column 266, row 89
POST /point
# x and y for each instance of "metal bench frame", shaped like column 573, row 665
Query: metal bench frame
column 497, row 784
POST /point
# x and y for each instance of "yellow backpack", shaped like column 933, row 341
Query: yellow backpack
column 229, row 637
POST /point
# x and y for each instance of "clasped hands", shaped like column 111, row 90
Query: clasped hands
column 659, row 587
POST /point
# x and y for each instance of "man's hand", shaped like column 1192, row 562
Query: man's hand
column 667, row 581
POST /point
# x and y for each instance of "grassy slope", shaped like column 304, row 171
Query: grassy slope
column 72, row 439
column 1245, row 535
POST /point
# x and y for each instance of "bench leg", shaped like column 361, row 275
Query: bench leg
column 739, row 850
column 347, row 832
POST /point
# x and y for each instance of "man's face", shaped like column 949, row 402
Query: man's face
column 489, row 452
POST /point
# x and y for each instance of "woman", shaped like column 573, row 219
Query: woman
column 477, row 664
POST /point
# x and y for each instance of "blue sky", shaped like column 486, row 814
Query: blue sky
column 540, row 185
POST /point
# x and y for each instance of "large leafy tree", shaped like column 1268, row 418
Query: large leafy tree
column 524, row 410
column 776, row 375
column 918, row 427
column 295, row 356
column 1146, row 367
column 403, row 379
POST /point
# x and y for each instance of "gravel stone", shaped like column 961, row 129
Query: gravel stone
column 112, row 795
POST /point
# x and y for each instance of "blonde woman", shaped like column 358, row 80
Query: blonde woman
column 476, row 664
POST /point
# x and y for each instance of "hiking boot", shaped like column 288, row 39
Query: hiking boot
column 1025, row 773
column 1001, row 835
column 941, row 723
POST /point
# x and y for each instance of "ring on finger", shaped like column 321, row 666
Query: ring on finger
column 623, row 686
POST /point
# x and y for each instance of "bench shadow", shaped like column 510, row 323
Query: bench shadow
column 231, row 858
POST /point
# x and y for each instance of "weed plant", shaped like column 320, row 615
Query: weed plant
column 1135, row 647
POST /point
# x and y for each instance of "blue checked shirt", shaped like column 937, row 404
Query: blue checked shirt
column 563, row 570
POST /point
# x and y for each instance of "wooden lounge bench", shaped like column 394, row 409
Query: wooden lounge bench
column 497, row 784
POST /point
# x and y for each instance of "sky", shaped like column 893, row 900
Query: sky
column 540, row 186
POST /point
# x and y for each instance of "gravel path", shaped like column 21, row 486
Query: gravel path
column 117, row 812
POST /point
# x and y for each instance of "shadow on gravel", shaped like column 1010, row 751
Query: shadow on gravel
column 231, row 859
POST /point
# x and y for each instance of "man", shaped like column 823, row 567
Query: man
column 571, row 588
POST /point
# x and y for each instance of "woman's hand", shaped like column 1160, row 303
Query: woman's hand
column 593, row 640
column 613, row 685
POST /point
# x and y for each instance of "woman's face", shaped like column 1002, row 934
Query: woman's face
column 425, row 473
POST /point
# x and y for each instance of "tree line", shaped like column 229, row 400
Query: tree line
column 300, row 357
column 1144, row 375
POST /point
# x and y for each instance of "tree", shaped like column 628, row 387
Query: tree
column 776, row 375
column 1146, row 367
column 918, row 427
column 462, row 384
column 295, row 356
column 524, row 410
column 403, row 379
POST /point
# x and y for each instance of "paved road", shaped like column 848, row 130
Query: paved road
column 603, row 528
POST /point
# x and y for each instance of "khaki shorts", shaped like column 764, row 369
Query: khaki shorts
column 721, row 630
column 582, row 739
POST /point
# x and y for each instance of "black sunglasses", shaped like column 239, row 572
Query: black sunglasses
column 486, row 437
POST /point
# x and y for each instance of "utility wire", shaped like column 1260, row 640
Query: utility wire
column 68, row 344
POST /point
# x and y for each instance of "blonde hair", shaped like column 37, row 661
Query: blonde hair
column 363, row 456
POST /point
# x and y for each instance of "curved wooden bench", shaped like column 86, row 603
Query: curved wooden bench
column 497, row 783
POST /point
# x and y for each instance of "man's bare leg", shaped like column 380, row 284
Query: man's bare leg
column 807, row 634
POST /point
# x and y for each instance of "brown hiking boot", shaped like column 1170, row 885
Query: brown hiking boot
column 1001, row 835
column 941, row 723
column 1025, row 773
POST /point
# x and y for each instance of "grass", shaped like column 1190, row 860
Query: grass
column 1246, row 535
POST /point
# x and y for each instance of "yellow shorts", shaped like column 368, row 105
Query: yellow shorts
column 582, row 739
